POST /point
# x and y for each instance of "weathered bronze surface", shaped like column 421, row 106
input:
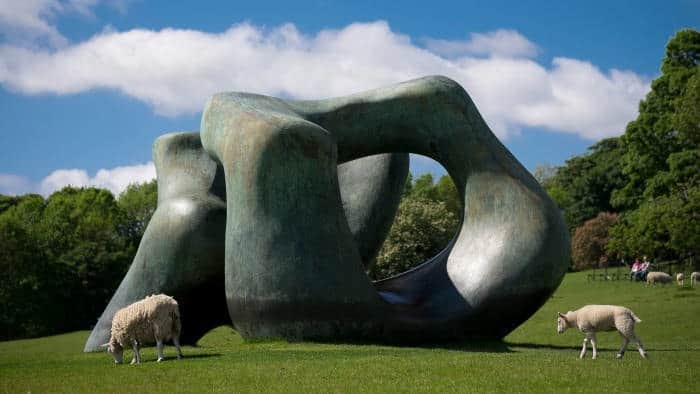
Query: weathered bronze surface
column 298, row 229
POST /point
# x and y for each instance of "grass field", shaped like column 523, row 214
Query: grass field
column 534, row 358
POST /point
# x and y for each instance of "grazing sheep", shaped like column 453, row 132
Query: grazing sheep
column 694, row 277
column 593, row 318
column 680, row 278
column 655, row 277
column 156, row 319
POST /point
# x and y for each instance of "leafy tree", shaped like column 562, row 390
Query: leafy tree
column 661, row 199
column 686, row 119
column 447, row 192
column 583, row 186
column 667, row 223
column 82, row 239
column 428, row 217
column 138, row 202
column 589, row 241
column 421, row 230
column 61, row 258
column 25, row 270
column 423, row 187
column 653, row 136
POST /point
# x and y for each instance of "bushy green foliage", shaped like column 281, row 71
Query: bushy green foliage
column 63, row 257
column 583, row 186
column 421, row 230
column 650, row 139
column 138, row 202
column 427, row 219
column 650, row 175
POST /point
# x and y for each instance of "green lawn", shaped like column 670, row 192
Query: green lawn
column 534, row 358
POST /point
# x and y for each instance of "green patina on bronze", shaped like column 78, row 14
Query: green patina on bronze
column 182, row 250
column 293, row 264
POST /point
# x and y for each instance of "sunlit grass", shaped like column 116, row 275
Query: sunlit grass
column 532, row 359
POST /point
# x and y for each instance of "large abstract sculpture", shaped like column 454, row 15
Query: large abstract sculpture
column 259, row 218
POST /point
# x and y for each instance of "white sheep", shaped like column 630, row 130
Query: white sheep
column 154, row 319
column 593, row 318
column 680, row 278
column 655, row 277
column 694, row 277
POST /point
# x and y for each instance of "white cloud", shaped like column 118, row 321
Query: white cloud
column 176, row 70
column 114, row 179
column 499, row 43
column 26, row 21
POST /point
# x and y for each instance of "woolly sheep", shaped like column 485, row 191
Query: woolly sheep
column 680, row 278
column 655, row 277
column 694, row 277
column 156, row 319
column 593, row 318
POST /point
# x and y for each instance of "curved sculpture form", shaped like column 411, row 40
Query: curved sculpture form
column 259, row 218
column 291, row 267
column 182, row 250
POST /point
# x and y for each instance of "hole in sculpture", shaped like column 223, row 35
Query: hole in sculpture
column 428, row 217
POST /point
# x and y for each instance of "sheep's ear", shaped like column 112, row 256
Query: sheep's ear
column 104, row 345
column 561, row 315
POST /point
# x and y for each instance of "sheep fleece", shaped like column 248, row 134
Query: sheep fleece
column 658, row 277
column 142, row 322
column 605, row 318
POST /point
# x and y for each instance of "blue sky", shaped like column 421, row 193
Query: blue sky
column 87, row 85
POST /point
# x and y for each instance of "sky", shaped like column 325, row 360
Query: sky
column 86, row 86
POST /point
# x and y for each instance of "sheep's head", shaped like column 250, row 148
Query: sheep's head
column 116, row 350
column 562, row 323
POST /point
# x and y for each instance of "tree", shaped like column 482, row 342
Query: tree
column 653, row 136
column 25, row 270
column 138, row 202
column 686, row 119
column 83, row 238
column 422, row 228
column 589, row 241
column 446, row 192
column 423, row 187
column 584, row 185
column 661, row 198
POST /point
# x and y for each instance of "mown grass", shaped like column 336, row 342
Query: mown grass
column 531, row 359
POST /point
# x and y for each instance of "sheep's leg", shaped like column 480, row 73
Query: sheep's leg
column 640, row 347
column 625, row 342
column 176, row 342
column 594, row 345
column 137, row 354
column 159, row 346
column 583, row 350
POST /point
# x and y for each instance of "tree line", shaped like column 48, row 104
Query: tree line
column 639, row 194
column 63, row 256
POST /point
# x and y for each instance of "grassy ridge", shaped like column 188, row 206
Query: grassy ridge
column 532, row 359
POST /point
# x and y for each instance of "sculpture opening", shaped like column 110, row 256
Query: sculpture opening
column 428, row 218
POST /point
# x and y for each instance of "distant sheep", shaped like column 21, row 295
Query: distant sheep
column 680, row 278
column 154, row 319
column 694, row 277
column 655, row 277
column 593, row 318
